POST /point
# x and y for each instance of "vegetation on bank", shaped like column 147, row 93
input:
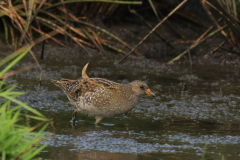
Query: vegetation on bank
column 24, row 20
column 18, row 141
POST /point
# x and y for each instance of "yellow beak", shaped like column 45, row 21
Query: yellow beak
column 149, row 92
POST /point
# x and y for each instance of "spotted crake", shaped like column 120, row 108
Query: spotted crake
column 100, row 97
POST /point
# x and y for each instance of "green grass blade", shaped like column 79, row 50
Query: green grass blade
column 154, row 9
column 204, row 150
column 3, row 155
column 25, row 106
column 43, row 128
column 14, row 54
column 37, row 151
column 234, row 7
column 106, row 1
column 29, row 16
column 15, row 61
column 6, row 30
column 37, row 118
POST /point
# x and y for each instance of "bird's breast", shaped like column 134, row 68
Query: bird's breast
column 107, row 103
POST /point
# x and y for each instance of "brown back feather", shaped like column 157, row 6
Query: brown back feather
column 76, row 88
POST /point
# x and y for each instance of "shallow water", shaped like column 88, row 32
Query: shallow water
column 174, row 125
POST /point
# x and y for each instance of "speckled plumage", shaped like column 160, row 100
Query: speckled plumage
column 100, row 97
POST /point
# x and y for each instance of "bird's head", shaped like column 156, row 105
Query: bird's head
column 140, row 87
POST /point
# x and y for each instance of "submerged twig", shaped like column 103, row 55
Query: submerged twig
column 152, row 30
column 189, row 54
column 40, row 80
column 42, row 53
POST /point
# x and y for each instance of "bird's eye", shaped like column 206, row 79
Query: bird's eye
column 142, row 87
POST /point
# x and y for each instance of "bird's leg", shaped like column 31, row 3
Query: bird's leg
column 73, row 124
column 98, row 119
column 74, row 114
column 125, row 115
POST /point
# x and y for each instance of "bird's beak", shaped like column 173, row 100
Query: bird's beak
column 149, row 92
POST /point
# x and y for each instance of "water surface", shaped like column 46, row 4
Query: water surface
column 174, row 125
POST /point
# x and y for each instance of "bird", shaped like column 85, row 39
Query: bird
column 100, row 97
